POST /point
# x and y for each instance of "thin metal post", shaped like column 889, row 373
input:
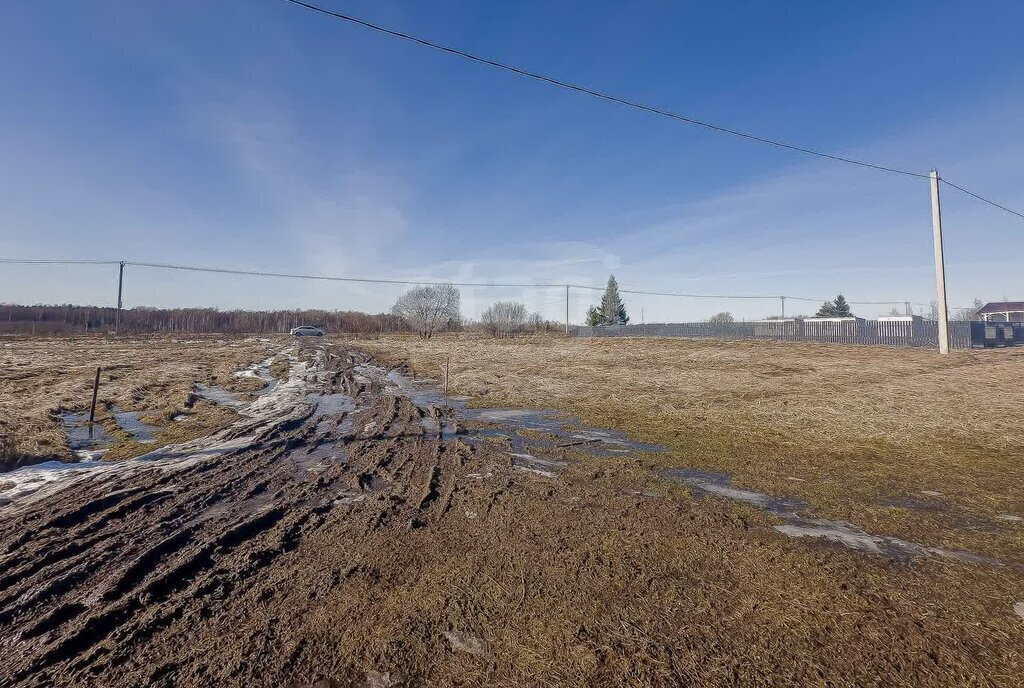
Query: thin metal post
column 567, row 310
column 92, row 407
column 940, row 265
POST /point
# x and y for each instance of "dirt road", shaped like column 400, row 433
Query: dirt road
column 343, row 533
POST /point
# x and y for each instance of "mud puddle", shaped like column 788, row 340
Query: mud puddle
column 329, row 409
column 512, row 424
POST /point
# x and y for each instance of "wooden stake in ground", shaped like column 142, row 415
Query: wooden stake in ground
column 447, row 365
column 92, row 407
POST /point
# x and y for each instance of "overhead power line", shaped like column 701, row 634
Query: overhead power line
column 628, row 102
column 375, row 280
column 367, row 280
column 676, row 294
column 981, row 198
column 597, row 94
column 60, row 261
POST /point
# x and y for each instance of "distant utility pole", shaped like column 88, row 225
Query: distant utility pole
column 940, row 265
column 120, row 292
column 567, row 310
column 783, row 298
column 906, row 304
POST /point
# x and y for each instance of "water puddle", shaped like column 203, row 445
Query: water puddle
column 261, row 372
column 796, row 526
column 853, row 537
column 87, row 444
column 513, row 422
column 288, row 402
column 219, row 396
column 720, row 485
column 130, row 423
column 328, row 407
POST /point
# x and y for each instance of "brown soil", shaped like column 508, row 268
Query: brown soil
column 371, row 552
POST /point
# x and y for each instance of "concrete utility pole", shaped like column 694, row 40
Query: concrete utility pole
column 567, row 310
column 783, row 307
column 940, row 265
column 120, row 291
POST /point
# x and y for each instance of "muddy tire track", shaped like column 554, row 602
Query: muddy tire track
column 94, row 572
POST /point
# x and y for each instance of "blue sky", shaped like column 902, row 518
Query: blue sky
column 252, row 134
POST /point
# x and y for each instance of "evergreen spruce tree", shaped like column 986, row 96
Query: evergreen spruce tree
column 839, row 308
column 613, row 311
column 827, row 310
column 594, row 317
column 842, row 308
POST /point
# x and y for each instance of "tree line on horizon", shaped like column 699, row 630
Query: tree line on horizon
column 74, row 319
column 423, row 310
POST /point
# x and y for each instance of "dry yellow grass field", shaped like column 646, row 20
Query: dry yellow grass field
column 861, row 433
column 39, row 376
column 604, row 573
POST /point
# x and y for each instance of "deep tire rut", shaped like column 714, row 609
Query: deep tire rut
column 95, row 574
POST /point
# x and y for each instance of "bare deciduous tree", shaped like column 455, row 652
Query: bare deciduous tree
column 968, row 314
column 537, row 323
column 721, row 318
column 504, row 319
column 429, row 309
